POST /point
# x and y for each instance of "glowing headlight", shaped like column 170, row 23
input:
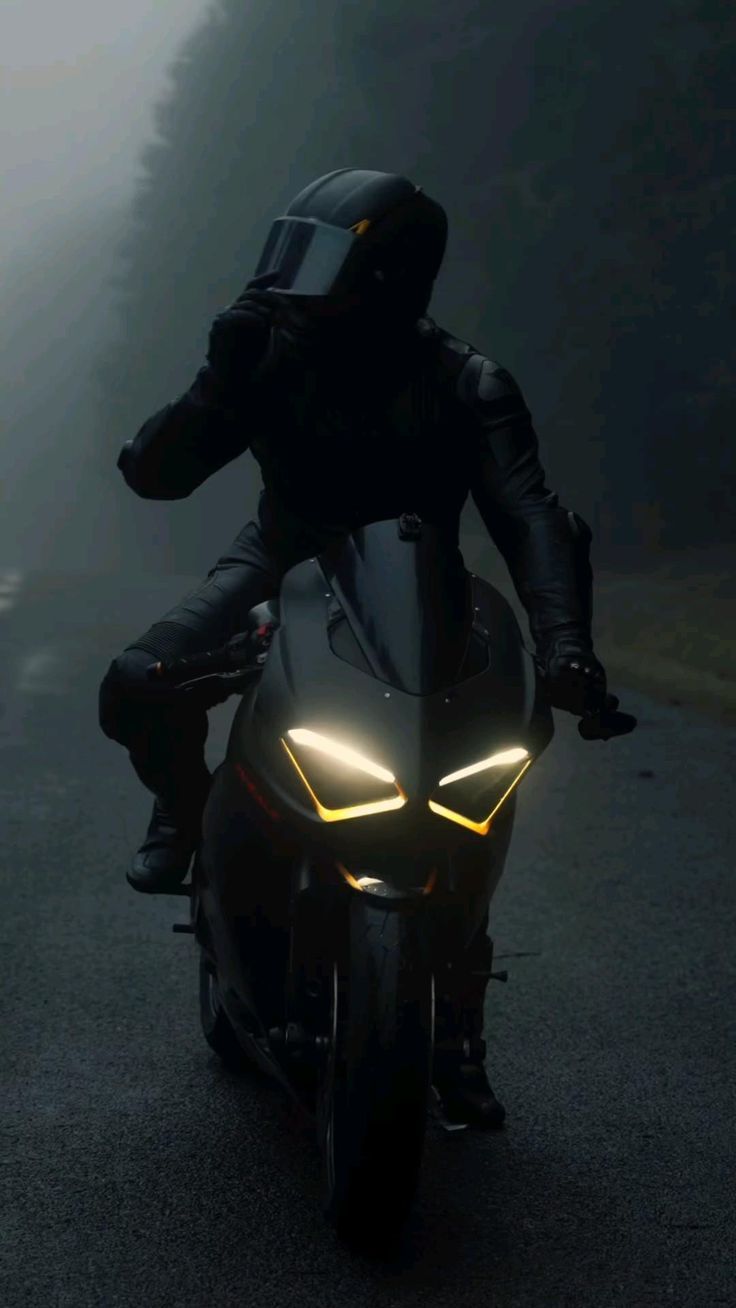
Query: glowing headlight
column 342, row 783
column 480, row 789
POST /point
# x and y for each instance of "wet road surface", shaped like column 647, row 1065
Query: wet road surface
column 138, row 1171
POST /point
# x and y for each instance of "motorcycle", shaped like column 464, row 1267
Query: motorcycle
column 354, row 836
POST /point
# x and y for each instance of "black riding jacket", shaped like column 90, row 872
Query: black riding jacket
column 341, row 443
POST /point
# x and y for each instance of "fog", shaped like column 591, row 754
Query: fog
column 588, row 179
column 80, row 80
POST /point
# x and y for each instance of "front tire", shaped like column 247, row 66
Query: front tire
column 217, row 1028
column 375, row 1092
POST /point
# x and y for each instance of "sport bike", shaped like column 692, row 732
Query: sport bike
column 354, row 836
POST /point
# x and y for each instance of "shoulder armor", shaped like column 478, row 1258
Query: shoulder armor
column 483, row 379
column 481, row 384
column 452, row 352
column 489, row 389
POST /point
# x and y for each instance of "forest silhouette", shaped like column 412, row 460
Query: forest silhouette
column 585, row 157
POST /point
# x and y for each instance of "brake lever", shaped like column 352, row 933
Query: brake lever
column 606, row 722
column 227, row 664
column 228, row 680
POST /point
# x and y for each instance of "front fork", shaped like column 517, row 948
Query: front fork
column 314, row 923
column 460, row 983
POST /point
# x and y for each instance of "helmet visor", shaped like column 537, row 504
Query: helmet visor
column 305, row 257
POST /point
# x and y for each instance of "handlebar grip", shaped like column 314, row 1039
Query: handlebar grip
column 175, row 671
column 245, row 651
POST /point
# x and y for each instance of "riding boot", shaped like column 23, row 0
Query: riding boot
column 162, row 862
column 459, row 1074
column 169, row 759
column 166, row 746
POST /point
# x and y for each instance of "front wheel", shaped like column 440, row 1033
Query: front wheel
column 216, row 1025
column 374, row 1096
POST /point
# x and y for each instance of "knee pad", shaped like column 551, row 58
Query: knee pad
column 121, row 691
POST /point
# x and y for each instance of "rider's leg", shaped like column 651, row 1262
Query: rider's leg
column 459, row 1075
column 165, row 742
column 164, row 734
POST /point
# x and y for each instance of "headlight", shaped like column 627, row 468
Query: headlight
column 341, row 782
column 477, row 792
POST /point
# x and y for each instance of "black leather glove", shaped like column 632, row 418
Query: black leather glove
column 239, row 337
column 575, row 679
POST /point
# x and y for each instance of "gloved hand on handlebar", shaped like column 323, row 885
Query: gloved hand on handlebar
column 574, row 677
column 576, row 681
column 244, row 653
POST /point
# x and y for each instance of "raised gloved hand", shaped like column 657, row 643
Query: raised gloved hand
column 239, row 337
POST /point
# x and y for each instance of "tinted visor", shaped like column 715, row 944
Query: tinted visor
column 305, row 257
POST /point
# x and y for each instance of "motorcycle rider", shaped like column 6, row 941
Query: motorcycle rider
column 357, row 407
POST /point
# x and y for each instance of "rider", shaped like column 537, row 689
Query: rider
column 357, row 407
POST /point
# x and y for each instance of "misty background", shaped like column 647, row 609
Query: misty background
column 584, row 153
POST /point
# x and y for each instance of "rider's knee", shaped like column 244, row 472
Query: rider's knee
column 120, row 694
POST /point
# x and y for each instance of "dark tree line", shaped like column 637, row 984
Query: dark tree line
column 584, row 154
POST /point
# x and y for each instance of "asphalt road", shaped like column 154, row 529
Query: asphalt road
column 137, row 1171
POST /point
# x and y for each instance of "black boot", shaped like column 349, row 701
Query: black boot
column 162, row 862
column 464, row 1091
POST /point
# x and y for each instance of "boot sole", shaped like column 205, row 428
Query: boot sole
column 146, row 886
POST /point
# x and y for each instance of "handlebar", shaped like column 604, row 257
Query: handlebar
column 243, row 656
column 233, row 664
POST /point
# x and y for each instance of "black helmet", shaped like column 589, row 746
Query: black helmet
column 357, row 233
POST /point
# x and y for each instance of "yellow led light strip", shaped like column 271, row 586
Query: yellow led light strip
column 314, row 740
column 495, row 761
column 354, row 810
column 482, row 828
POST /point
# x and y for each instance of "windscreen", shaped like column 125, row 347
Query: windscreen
column 408, row 603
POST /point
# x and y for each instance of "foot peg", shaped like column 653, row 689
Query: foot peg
column 491, row 976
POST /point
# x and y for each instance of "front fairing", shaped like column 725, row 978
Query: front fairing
column 433, row 677
column 407, row 601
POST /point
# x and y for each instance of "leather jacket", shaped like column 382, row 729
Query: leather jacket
column 356, row 430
